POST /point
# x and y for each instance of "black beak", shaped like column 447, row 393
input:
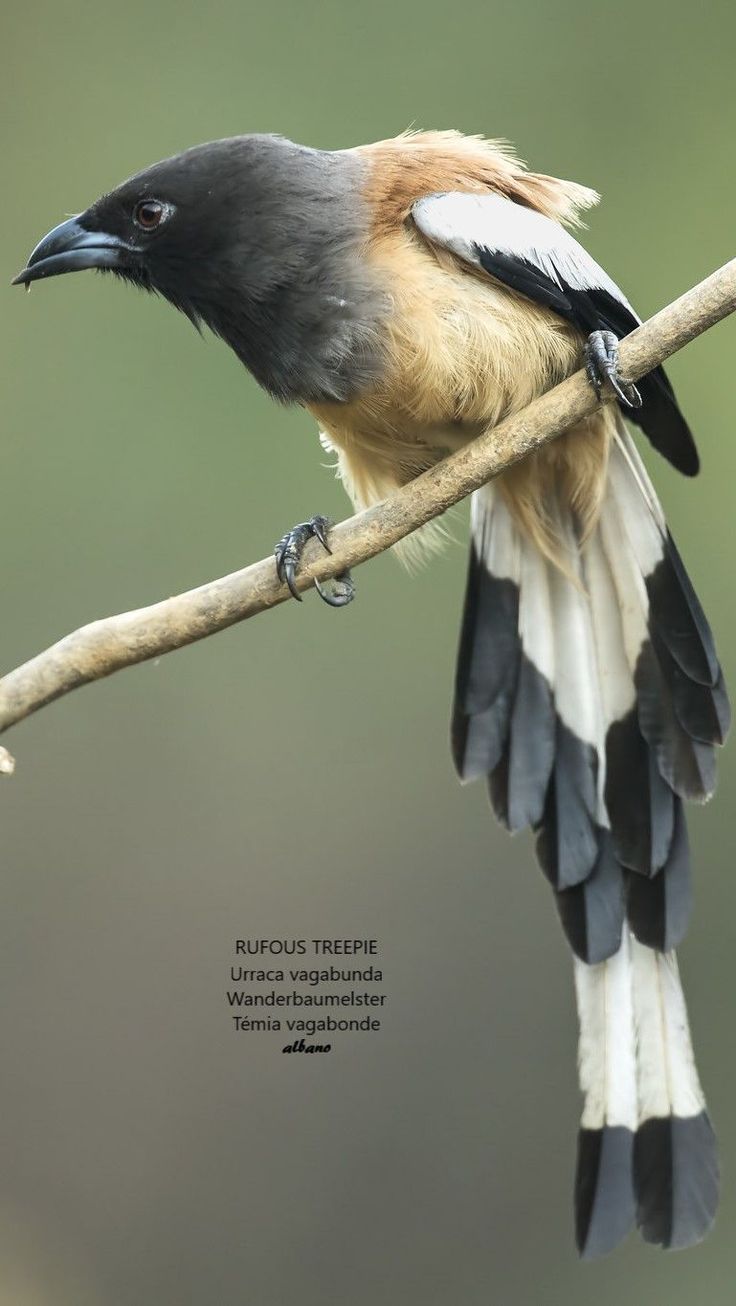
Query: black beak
column 69, row 248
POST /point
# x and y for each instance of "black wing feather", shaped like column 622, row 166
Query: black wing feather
column 596, row 309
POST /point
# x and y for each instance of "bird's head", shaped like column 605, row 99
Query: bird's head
column 248, row 235
column 184, row 228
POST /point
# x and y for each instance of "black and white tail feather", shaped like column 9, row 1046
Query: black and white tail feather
column 591, row 698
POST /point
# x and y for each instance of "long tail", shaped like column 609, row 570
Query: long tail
column 591, row 698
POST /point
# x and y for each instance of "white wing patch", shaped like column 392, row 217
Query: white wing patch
column 463, row 223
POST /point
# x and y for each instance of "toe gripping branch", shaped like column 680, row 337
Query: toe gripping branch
column 339, row 590
column 601, row 365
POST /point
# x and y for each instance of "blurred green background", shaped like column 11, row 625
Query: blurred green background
column 292, row 777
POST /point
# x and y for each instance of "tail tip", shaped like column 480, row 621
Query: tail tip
column 663, row 1179
column 605, row 1207
column 676, row 1176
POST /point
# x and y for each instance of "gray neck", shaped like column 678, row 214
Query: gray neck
column 301, row 309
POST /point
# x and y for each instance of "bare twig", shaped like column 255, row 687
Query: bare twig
column 96, row 650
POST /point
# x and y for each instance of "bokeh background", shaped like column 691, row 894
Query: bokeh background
column 291, row 777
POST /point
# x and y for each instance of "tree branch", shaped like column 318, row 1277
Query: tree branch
column 96, row 650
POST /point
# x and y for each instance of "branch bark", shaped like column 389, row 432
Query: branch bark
column 105, row 646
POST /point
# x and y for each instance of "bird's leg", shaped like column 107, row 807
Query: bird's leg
column 336, row 591
column 601, row 365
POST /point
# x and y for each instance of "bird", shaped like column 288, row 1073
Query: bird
column 410, row 294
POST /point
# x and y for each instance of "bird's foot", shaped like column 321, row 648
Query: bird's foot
column 338, row 590
column 601, row 365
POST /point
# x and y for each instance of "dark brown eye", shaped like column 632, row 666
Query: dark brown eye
column 149, row 214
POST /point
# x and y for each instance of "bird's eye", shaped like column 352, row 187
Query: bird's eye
column 149, row 214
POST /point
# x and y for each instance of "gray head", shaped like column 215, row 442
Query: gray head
column 255, row 237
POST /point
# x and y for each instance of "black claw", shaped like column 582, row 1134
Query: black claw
column 289, row 570
column 336, row 592
column 601, row 365
column 626, row 391
column 319, row 528
column 279, row 563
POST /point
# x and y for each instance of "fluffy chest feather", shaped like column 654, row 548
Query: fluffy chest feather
column 458, row 354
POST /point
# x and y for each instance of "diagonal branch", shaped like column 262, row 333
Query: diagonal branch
column 96, row 650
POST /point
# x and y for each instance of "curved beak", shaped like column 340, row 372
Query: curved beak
column 69, row 248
